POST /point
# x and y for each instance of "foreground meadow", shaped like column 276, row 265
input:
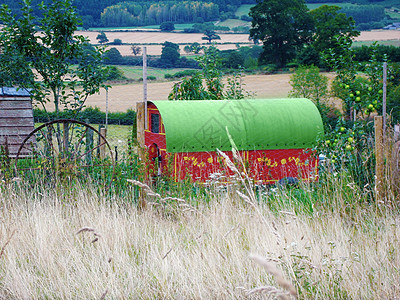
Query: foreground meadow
column 319, row 242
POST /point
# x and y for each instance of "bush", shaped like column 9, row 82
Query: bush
column 180, row 74
column 167, row 26
column 117, row 42
column 148, row 78
column 115, row 74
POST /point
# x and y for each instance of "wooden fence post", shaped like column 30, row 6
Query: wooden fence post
column 103, row 132
column 379, row 167
column 140, row 123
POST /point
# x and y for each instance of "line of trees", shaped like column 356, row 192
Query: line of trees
column 150, row 13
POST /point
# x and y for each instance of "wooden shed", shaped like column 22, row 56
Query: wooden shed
column 16, row 119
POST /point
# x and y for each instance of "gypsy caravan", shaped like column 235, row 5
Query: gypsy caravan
column 274, row 137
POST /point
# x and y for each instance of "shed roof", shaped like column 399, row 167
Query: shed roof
column 12, row 91
column 199, row 126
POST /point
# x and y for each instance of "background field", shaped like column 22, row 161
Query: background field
column 153, row 39
column 125, row 96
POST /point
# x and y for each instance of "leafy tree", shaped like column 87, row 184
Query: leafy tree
column 283, row 26
column 196, row 47
column 167, row 26
column 170, row 53
column 187, row 49
column 193, row 48
column 117, row 42
column 329, row 24
column 307, row 82
column 112, row 57
column 308, row 56
column 210, row 35
column 102, row 38
column 136, row 50
column 207, row 84
column 56, row 64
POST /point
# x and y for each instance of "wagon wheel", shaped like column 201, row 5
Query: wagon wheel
column 65, row 152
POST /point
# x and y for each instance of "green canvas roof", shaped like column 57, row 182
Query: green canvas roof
column 198, row 126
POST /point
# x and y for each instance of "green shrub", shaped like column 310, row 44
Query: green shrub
column 91, row 115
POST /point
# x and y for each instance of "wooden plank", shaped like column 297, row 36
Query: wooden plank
column 20, row 113
column 15, row 98
column 13, row 150
column 8, row 122
column 140, row 123
column 15, row 104
column 14, row 139
column 13, row 130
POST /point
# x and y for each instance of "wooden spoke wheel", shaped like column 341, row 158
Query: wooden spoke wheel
column 65, row 152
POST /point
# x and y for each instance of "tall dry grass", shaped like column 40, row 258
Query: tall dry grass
column 60, row 244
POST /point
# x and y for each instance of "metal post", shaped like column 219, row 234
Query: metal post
column 145, row 85
column 106, row 107
column 102, row 147
column 384, row 98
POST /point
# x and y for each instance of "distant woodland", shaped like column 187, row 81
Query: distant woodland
column 113, row 13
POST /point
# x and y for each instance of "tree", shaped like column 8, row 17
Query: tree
column 283, row 26
column 307, row 82
column 170, row 53
column 112, row 57
column 167, row 26
column 117, row 42
column 207, row 84
column 329, row 24
column 210, row 35
column 56, row 65
column 102, row 38
column 136, row 50
column 187, row 49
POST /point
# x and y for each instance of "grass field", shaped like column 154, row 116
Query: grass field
column 315, row 242
column 231, row 23
column 125, row 96
column 243, row 10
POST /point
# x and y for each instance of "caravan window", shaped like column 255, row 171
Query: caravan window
column 155, row 123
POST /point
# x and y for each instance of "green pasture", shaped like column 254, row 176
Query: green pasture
column 243, row 10
column 392, row 14
column 231, row 23
column 395, row 43
column 135, row 73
